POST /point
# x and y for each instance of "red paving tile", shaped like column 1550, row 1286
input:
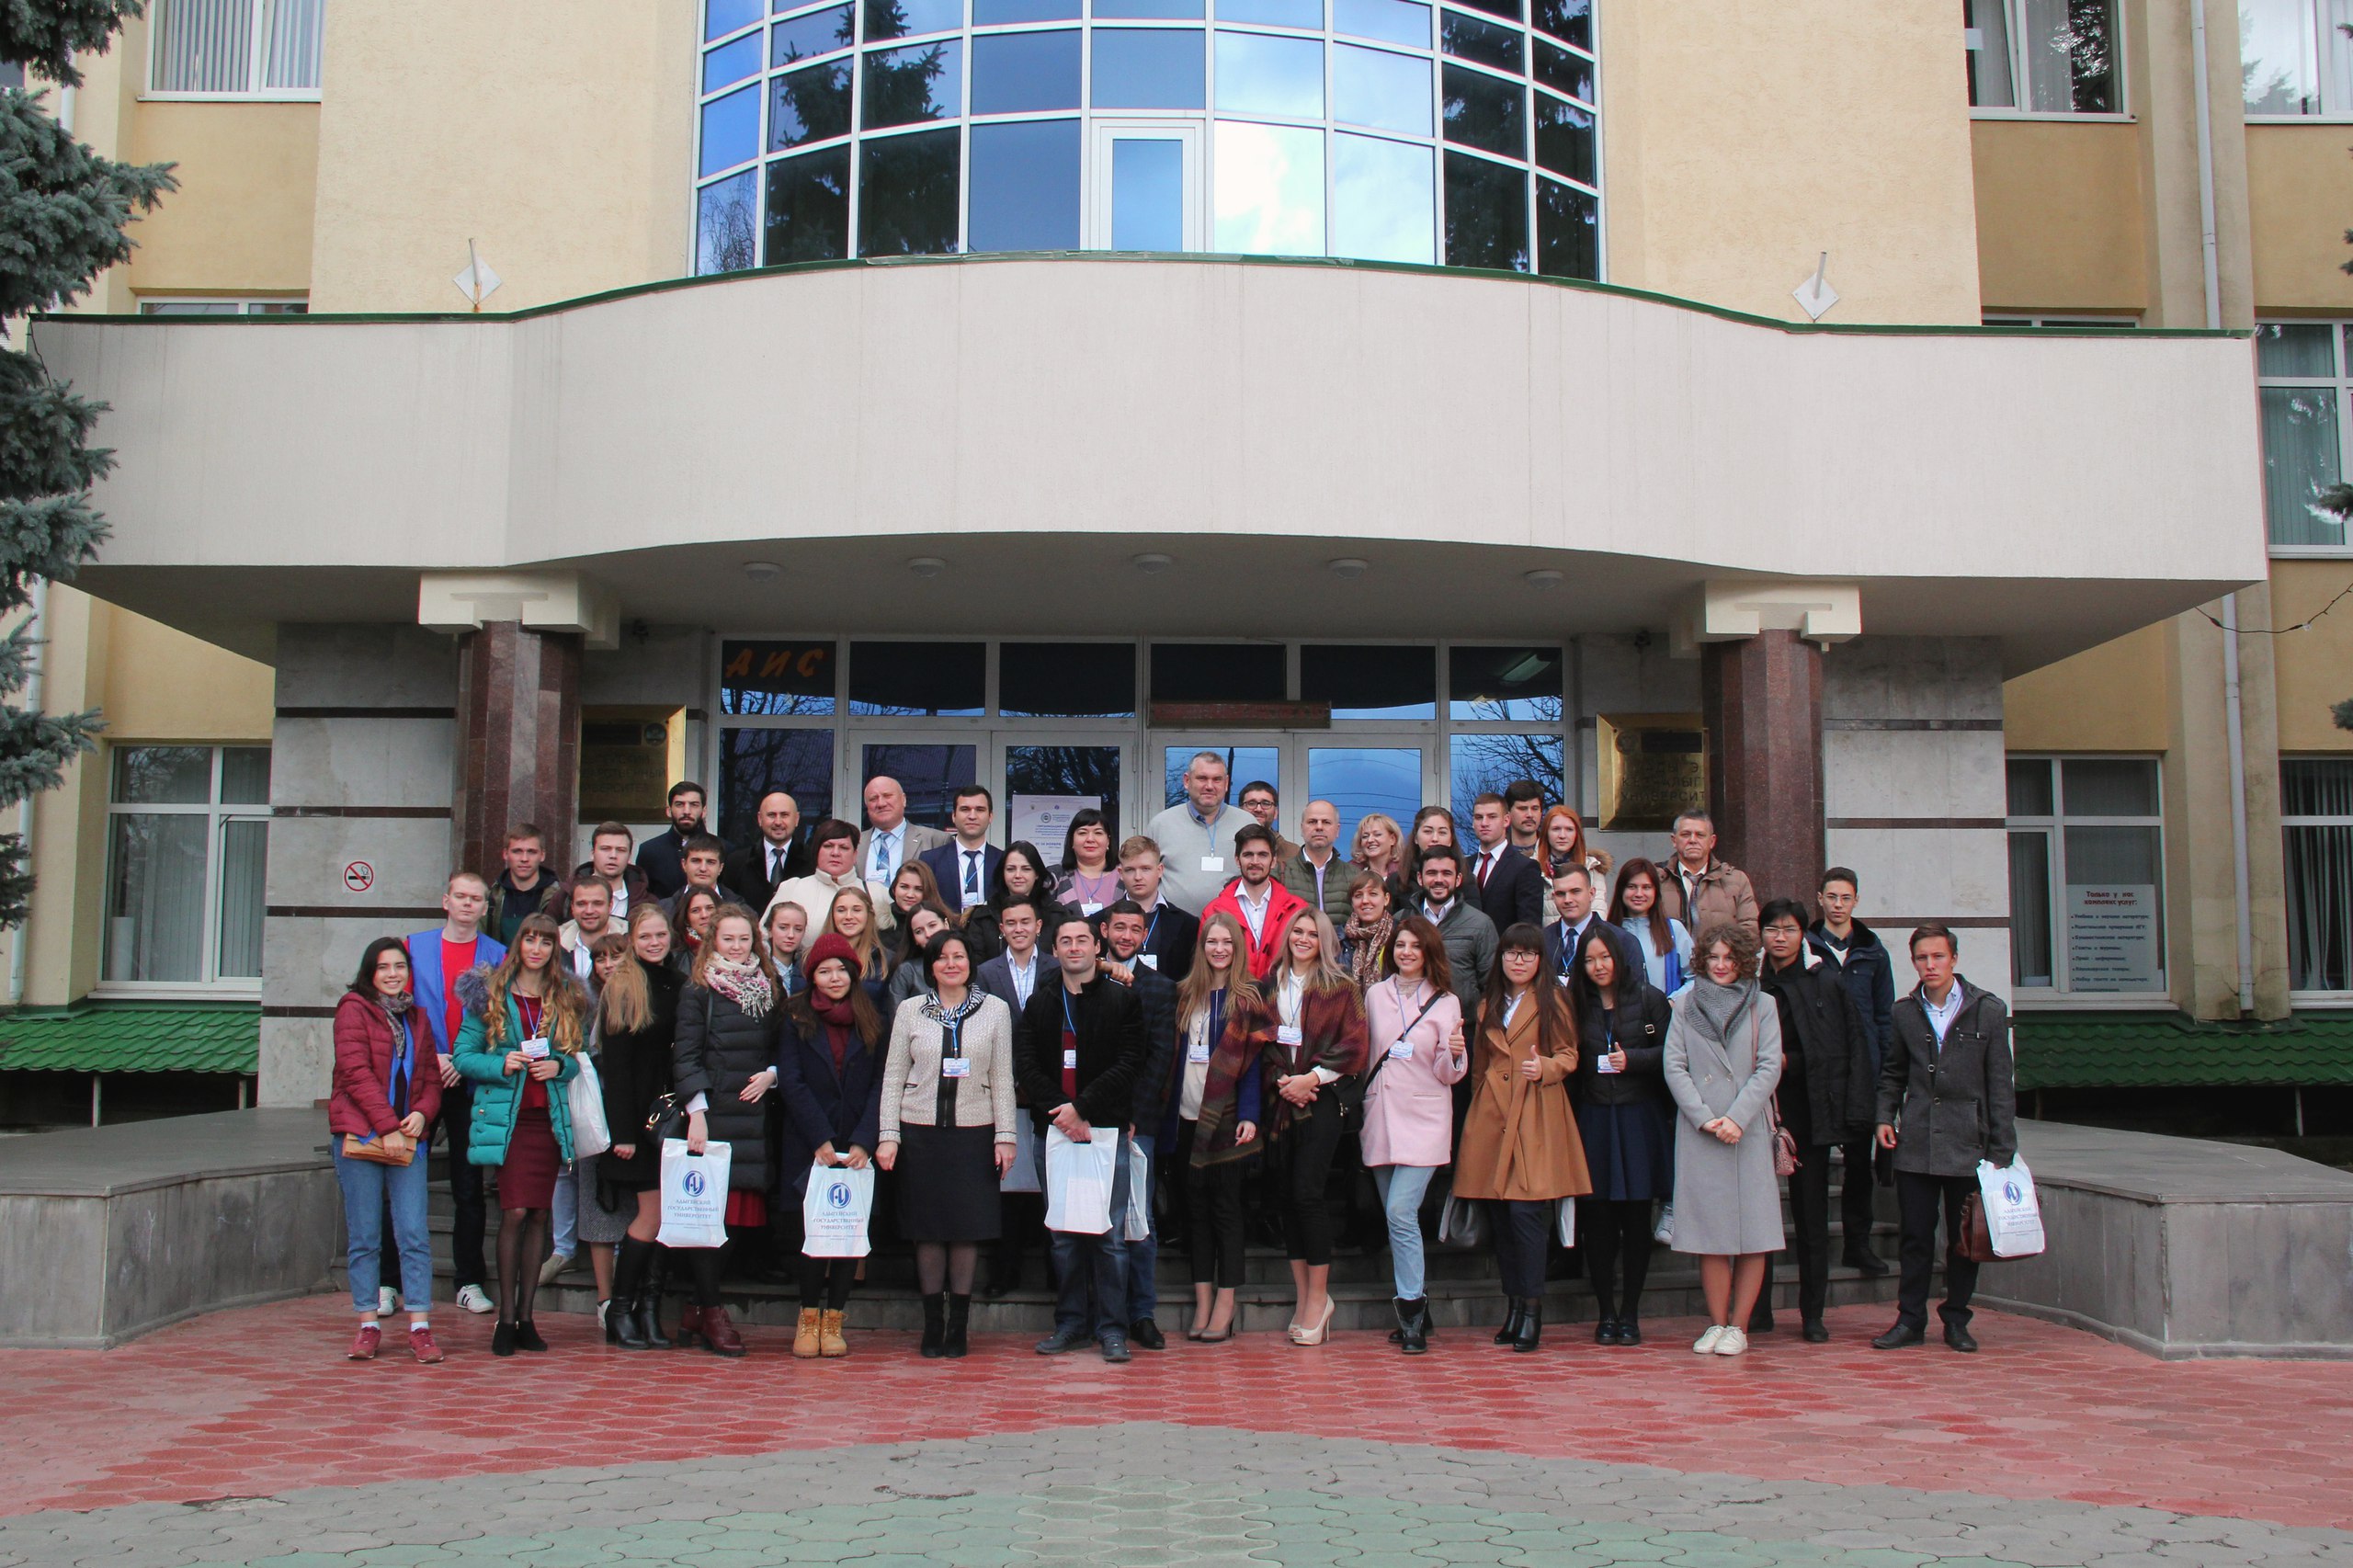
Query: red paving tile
column 258, row 1401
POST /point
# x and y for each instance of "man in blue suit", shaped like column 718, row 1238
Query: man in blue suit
column 435, row 959
column 966, row 866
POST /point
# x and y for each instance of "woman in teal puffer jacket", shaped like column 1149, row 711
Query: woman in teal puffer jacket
column 526, row 1026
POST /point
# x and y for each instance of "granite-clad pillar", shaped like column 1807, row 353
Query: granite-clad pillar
column 1761, row 702
column 518, row 740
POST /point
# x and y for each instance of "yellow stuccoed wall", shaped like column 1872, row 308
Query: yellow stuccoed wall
column 258, row 161
column 2299, row 187
column 2315, row 666
column 1742, row 140
column 2060, row 216
column 557, row 134
column 2112, row 697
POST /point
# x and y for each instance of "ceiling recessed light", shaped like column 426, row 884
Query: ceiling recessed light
column 1347, row 566
column 1543, row 577
column 761, row 571
column 926, row 565
column 1152, row 563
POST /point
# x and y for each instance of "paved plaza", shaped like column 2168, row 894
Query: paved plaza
column 242, row 1439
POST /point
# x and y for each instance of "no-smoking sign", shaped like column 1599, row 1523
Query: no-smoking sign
column 360, row 876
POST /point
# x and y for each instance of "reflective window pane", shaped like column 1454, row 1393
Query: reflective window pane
column 905, row 85
column 156, row 895
column 1486, row 112
column 926, row 680
column 162, row 775
column 819, row 32
column 809, row 105
column 244, row 775
column 1014, row 72
column 911, row 18
column 1217, row 672
column 907, row 197
column 1571, row 20
column 720, row 17
column 1148, row 10
column 1372, row 681
column 2115, row 909
column 1393, row 21
column 1384, row 200
column 731, row 62
column 1363, row 779
column 1269, row 190
column 2295, row 348
column 1568, row 231
column 244, row 858
column 1093, row 680
column 776, row 678
column 2030, row 909
column 1025, row 185
column 1150, row 68
column 731, row 129
column 1508, row 9
column 2030, row 787
column 1260, row 73
column 1489, row 44
column 724, row 225
column 1486, row 214
column 1375, row 87
column 1243, row 765
column 1479, row 765
column 2300, row 459
column 1570, row 74
column 1985, row 32
column 1147, row 193
column 1273, row 13
column 1504, row 684
column 2108, row 787
column 752, row 763
column 990, row 13
column 1086, row 773
column 808, row 208
column 930, row 776
column 2069, row 52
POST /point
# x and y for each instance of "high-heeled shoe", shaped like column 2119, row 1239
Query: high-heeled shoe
column 1308, row 1337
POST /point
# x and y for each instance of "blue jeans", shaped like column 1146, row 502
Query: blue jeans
column 567, row 1210
column 1143, row 1257
column 1402, row 1189
column 1091, row 1272
column 368, row 1189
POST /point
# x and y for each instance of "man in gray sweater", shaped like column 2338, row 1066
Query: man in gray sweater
column 1196, row 835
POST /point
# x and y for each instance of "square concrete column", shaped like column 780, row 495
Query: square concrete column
column 1761, row 701
column 518, row 740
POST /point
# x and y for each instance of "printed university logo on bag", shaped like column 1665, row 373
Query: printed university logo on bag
column 694, row 1184
column 838, row 1194
column 2012, row 1191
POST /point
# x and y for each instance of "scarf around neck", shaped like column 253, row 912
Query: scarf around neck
column 741, row 983
column 1366, row 944
column 1718, row 1005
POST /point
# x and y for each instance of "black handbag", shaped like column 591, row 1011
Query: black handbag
column 667, row 1120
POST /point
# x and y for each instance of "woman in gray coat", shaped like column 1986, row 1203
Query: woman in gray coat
column 1723, row 1058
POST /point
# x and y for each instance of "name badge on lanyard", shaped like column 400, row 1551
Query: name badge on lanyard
column 955, row 1066
column 1198, row 1050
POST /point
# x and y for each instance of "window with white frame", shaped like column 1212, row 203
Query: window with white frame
column 283, row 305
column 187, row 838
column 2295, row 59
column 2300, row 370
column 235, row 49
column 2110, row 323
column 2316, row 822
column 2043, row 56
column 2086, row 875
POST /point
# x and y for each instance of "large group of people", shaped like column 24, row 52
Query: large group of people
column 1471, row 1024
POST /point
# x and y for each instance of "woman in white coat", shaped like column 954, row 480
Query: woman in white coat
column 1724, row 1060
column 1418, row 1055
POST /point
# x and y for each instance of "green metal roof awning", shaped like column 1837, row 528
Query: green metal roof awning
column 133, row 1036
column 2165, row 1049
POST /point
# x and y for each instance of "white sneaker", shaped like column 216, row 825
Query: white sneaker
column 388, row 1301
column 474, row 1299
column 1733, row 1342
column 1706, row 1344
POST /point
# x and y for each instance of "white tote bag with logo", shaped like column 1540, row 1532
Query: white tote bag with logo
column 2013, row 1213
column 584, row 1098
column 694, row 1194
column 835, row 1208
column 1078, row 1181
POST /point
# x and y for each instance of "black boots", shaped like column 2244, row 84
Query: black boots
column 1531, row 1325
column 1509, row 1333
column 634, row 1319
column 1412, row 1326
column 959, row 1317
column 934, row 1325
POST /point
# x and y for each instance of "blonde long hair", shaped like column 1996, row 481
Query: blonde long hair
column 626, row 1005
column 1193, row 993
column 1327, row 974
column 564, row 1000
column 868, row 944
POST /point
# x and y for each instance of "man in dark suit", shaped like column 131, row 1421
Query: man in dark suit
column 1124, row 925
column 965, row 866
column 1573, row 895
column 701, row 864
column 1170, row 934
column 1012, row 978
column 777, row 857
column 609, row 849
column 661, row 856
column 1505, row 884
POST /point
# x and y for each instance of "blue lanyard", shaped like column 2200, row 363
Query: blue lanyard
column 1068, row 1022
column 403, row 1052
column 1153, row 930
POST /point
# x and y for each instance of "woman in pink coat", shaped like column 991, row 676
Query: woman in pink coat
column 1418, row 1052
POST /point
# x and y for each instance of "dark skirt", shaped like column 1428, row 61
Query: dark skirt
column 527, row 1178
column 947, row 1182
column 1630, row 1149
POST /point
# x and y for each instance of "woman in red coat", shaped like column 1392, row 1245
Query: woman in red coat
column 387, row 1088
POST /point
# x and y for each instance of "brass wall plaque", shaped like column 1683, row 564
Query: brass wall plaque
column 628, row 758
column 1652, row 765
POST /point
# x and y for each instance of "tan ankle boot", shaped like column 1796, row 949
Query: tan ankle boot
column 804, row 1336
column 829, row 1329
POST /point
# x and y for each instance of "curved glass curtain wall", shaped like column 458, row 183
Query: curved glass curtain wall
column 1387, row 130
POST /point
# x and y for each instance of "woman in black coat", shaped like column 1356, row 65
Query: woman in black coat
column 1627, row 1121
column 637, row 1024
column 730, row 1014
column 829, row 1071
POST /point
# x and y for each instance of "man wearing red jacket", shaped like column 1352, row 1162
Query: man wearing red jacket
column 1262, row 904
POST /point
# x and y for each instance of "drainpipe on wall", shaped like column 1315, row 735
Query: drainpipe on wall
column 2234, row 718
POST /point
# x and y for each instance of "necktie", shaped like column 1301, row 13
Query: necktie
column 1485, row 858
column 776, row 862
column 881, row 856
column 971, row 875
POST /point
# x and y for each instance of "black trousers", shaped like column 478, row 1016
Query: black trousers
column 1616, row 1239
column 1523, row 1236
column 469, row 1224
column 1917, row 1199
column 1858, row 1193
column 826, row 1282
column 1213, row 1221
column 1809, row 1216
column 1301, row 1159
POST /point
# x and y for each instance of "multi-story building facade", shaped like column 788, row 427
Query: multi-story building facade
column 1403, row 395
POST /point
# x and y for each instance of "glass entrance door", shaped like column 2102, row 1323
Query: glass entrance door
column 1049, row 777
column 1147, row 182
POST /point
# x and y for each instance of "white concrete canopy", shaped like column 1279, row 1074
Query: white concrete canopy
column 1035, row 423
